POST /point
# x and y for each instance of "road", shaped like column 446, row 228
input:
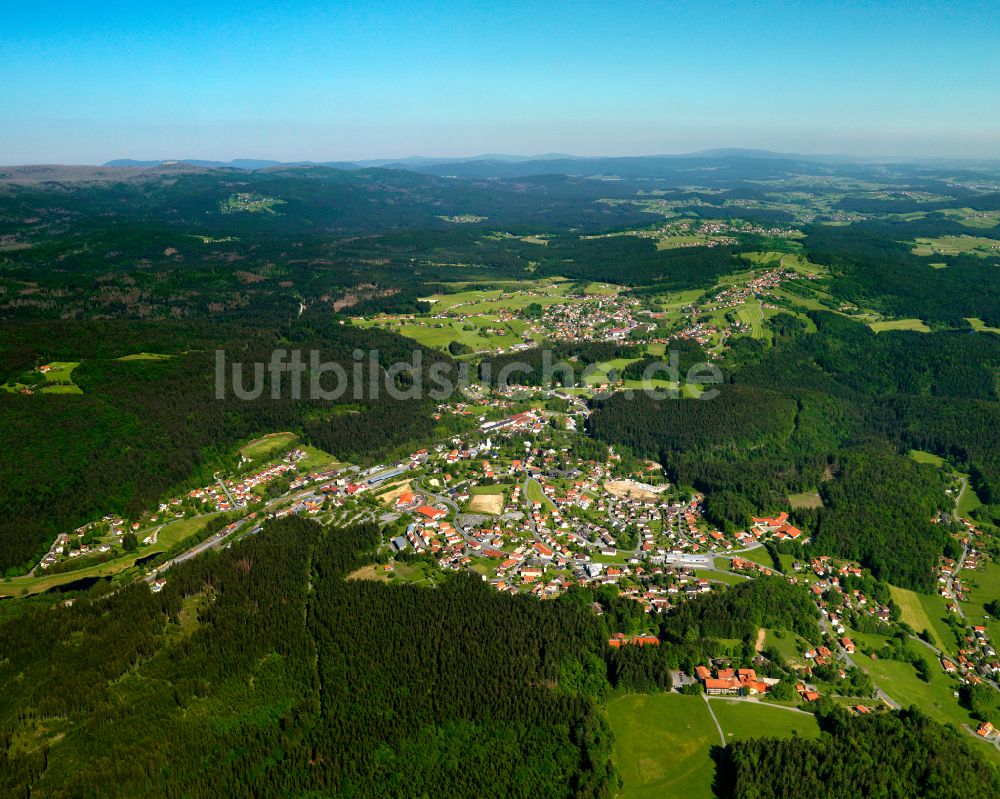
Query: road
column 958, row 499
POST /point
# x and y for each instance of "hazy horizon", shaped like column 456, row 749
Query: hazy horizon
column 309, row 81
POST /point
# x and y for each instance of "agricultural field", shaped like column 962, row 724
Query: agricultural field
column 969, row 217
column 957, row 245
column 899, row 324
column 662, row 745
column 752, row 315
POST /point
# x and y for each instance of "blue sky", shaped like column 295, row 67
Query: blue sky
column 84, row 82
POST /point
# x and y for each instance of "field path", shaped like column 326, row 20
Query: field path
column 722, row 737
column 761, row 635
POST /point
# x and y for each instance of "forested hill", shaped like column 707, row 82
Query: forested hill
column 145, row 428
column 261, row 670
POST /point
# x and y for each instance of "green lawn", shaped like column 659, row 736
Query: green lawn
column 730, row 578
column 598, row 373
column 969, row 501
column 757, row 555
column 742, row 719
column 789, row 645
column 534, row 493
column 899, row 680
column 662, row 745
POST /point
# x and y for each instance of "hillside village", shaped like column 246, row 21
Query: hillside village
column 515, row 500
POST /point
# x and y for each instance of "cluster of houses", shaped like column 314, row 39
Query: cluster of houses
column 605, row 317
column 728, row 681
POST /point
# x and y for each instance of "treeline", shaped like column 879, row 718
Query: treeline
column 897, row 754
column 634, row 261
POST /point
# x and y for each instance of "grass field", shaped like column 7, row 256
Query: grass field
column 662, row 745
column 899, row 324
column 599, row 372
column 730, row 578
column 789, row 645
column 145, row 356
column 925, row 612
column 899, row 680
column 663, row 742
column 968, row 502
column 269, row 443
column 980, row 326
column 984, row 586
column 758, row 555
column 808, row 499
column 920, row 456
column 741, row 720
column 488, row 499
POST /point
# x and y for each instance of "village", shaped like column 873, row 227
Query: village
column 511, row 502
